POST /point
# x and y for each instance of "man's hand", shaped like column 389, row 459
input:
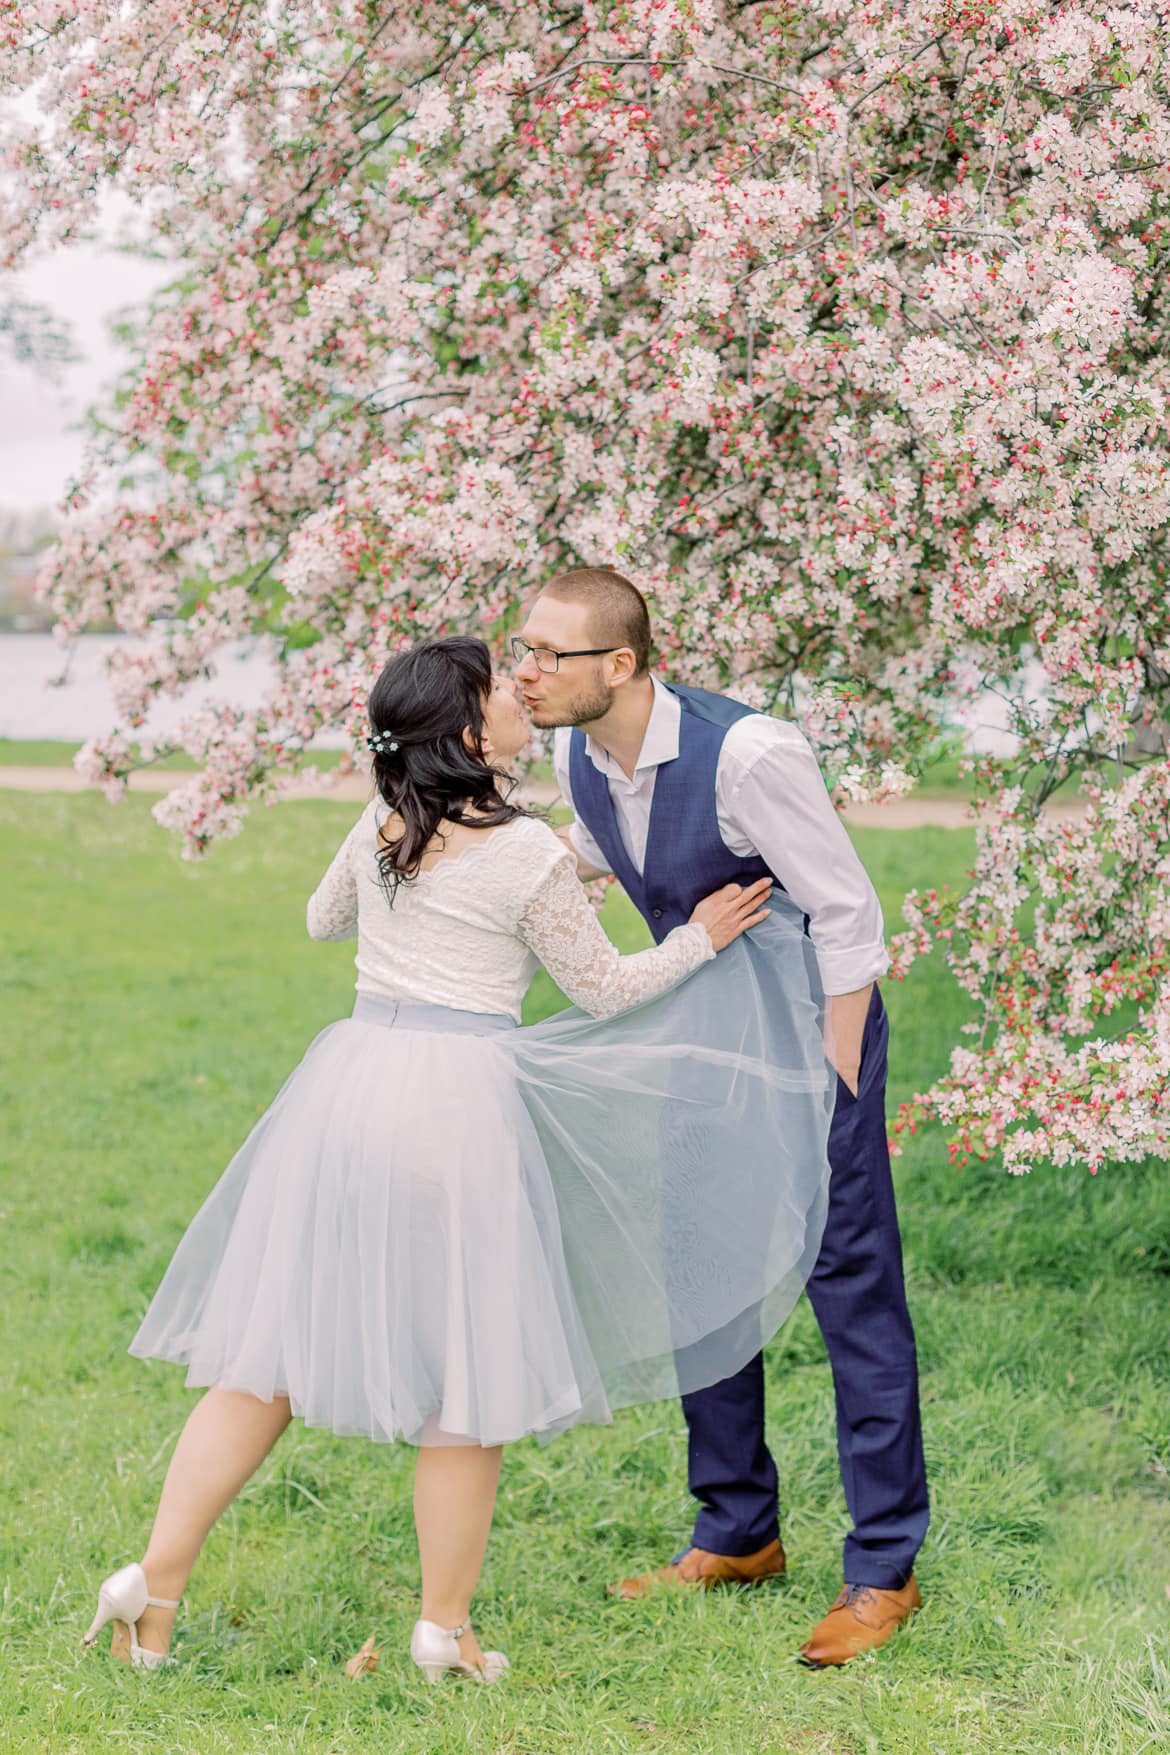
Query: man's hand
column 845, row 1015
column 585, row 871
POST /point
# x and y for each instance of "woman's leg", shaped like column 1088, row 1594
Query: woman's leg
column 227, row 1436
column 454, row 1497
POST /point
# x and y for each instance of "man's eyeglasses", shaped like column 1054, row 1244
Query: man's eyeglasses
column 550, row 661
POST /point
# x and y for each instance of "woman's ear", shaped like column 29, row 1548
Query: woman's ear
column 485, row 743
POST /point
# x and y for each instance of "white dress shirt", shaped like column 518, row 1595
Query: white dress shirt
column 771, row 800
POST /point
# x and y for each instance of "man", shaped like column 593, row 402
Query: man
column 742, row 792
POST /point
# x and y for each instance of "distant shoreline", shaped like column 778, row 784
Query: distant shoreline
column 35, row 704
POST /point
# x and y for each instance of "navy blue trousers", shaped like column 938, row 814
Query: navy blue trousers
column 859, row 1298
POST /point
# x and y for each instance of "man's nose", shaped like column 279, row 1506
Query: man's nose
column 527, row 669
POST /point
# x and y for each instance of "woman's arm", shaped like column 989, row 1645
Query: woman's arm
column 559, row 925
column 332, row 911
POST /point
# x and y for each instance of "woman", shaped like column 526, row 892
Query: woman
column 454, row 1231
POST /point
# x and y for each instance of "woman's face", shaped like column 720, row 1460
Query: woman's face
column 505, row 729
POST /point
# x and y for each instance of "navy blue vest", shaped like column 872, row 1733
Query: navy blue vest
column 686, row 856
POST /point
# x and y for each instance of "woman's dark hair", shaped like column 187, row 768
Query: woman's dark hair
column 424, row 701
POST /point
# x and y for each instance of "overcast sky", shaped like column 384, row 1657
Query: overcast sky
column 40, row 447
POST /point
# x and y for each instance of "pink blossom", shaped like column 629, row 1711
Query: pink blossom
column 841, row 329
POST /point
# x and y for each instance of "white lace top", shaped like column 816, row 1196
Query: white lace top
column 470, row 931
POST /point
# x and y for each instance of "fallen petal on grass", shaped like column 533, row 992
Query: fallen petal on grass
column 363, row 1662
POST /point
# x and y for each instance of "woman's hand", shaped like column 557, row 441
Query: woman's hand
column 732, row 910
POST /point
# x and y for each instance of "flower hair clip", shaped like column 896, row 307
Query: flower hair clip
column 382, row 743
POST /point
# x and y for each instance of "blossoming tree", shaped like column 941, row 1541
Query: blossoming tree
column 839, row 326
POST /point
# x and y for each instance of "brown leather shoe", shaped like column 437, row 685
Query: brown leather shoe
column 861, row 1618
column 698, row 1567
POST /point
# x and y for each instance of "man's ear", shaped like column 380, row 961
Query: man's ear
column 622, row 666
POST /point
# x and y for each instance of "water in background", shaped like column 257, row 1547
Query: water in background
column 32, row 705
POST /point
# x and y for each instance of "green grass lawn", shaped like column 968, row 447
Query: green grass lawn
column 150, row 1012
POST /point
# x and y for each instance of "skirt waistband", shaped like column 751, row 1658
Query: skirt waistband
column 372, row 1008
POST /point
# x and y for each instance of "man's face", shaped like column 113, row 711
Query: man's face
column 578, row 691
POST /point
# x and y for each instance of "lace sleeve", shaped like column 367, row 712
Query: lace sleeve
column 333, row 910
column 559, row 925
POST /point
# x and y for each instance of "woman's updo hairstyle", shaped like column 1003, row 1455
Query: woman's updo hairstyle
column 422, row 703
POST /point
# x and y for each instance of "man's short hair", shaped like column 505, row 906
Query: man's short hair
column 617, row 610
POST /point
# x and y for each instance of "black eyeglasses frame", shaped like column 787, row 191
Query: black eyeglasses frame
column 521, row 650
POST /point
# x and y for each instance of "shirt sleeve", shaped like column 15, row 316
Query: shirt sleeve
column 333, row 907
column 562, row 929
column 772, row 797
column 579, row 835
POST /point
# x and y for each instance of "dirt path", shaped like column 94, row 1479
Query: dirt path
column 348, row 788
column 900, row 813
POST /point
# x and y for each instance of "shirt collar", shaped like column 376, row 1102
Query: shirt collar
column 659, row 744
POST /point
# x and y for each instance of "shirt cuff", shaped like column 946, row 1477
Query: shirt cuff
column 847, row 971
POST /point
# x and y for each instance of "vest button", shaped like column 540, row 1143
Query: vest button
column 657, row 913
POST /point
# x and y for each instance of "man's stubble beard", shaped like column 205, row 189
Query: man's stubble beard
column 590, row 704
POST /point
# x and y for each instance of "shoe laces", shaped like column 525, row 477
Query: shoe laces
column 854, row 1594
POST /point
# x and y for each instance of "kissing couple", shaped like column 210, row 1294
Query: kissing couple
column 457, row 1231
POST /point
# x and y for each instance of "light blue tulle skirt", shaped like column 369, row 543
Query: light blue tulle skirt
column 449, row 1229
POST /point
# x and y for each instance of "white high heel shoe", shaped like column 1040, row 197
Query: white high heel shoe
column 124, row 1596
column 435, row 1650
